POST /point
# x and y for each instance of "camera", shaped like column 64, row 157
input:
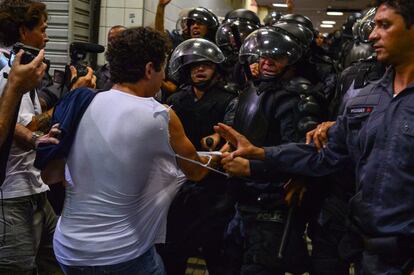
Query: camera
column 77, row 53
column 29, row 53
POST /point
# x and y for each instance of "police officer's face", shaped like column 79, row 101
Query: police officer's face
column 272, row 67
column 392, row 40
column 36, row 37
column 198, row 30
column 203, row 71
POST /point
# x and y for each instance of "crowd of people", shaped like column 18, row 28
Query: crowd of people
column 231, row 140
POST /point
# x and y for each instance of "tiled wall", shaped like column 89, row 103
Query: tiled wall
column 118, row 12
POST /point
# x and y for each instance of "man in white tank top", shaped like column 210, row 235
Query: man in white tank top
column 122, row 171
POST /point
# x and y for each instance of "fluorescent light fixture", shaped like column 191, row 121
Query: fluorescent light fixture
column 335, row 13
column 328, row 22
column 279, row 5
column 326, row 26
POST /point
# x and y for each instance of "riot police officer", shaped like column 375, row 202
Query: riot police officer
column 200, row 212
column 202, row 23
column 229, row 37
column 361, row 48
column 268, row 114
column 272, row 18
column 242, row 15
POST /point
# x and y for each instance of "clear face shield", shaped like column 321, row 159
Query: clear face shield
column 366, row 25
column 273, row 51
column 231, row 35
column 191, row 51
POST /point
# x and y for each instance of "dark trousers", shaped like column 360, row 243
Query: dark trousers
column 261, row 234
column 196, row 224
column 326, row 258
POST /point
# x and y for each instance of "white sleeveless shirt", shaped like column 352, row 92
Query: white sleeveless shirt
column 122, row 176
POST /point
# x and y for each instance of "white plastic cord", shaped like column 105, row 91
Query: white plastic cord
column 203, row 165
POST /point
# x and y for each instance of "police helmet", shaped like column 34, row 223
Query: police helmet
column 243, row 15
column 350, row 21
column 300, row 32
column 192, row 51
column 181, row 23
column 269, row 42
column 366, row 25
column 271, row 18
column 203, row 16
column 299, row 19
column 230, row 35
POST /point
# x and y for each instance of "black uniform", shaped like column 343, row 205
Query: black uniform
column 200, row 211
column 267, row 114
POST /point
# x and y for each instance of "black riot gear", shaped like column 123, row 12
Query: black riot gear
column 366, row 25
column 350, row 21
column 268, row 42
column 206, row 17
column 226, row 35
column 299, row 31
column 361, row 48
column 298, row 18
column 272, row 18
column 310, row 106
column 192, row 51
column 242, row 15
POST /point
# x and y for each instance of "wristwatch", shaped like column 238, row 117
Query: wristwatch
column 35, row 136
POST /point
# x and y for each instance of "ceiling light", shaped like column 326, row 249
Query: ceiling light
column 335, row 13
column 279, row 5
column 328, row 22
column 326, row 26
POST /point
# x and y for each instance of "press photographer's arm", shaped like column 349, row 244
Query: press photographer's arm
column 26, row 135
column 22, row 78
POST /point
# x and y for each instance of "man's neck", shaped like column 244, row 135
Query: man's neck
column 131, row 88
column 404, row 76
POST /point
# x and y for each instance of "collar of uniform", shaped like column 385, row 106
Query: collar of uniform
column 387, row 80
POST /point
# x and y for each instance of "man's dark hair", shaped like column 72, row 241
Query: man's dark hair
column 132, row 49
column 403, row 7
column 17, row 13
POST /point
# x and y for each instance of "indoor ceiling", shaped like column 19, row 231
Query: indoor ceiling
column 316, row 10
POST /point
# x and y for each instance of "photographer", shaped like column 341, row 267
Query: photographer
column 27, row 217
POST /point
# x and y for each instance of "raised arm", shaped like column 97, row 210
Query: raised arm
column 159, row 16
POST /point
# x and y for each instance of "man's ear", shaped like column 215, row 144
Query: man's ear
column 23, row 33
column 149, row 70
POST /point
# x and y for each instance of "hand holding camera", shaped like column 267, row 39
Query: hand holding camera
column 88, row 80
column 78, row 74
column 27, row 70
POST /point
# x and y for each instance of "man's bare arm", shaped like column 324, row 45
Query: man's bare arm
column 54, row 172
column 8, row 105
column 183, row 147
